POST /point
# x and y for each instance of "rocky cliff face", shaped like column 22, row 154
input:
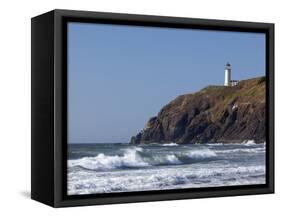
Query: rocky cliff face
column 214, row 114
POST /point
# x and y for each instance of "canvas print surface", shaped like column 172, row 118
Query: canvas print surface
column 153, row 108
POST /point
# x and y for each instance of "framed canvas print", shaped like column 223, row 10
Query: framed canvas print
column 134, row 108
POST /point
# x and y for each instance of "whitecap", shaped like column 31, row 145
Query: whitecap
column 170, row 144
column 130, row 158
column 85, row 182
column 201, row 154
column 242, row 150
column 249, row 142
column 215, row 144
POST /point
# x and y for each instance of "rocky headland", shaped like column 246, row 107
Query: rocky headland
column 212, row 115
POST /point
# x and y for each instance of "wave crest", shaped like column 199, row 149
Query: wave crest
column 136, row 158
column 201, row 154
column 170, row 144
column 249, row 142
column 131, row 158
column 243, row 150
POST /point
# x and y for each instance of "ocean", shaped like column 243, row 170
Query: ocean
column 108, row 168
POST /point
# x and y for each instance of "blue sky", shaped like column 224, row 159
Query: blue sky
column 119, row 76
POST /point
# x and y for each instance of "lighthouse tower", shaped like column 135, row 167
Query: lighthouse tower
column 227, row 75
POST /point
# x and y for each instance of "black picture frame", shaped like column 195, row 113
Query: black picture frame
column 49, row 101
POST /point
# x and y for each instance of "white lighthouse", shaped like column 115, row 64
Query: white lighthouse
column 227, row 75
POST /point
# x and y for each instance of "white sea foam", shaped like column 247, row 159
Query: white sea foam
column 215, row 144
column 157, row 168
column 243, row 150
column 201, row 153
column 172, row 159
column 249, row 142
column 245, row 143
column 170, row 144
column 133, row 158
column 130, row 158
column 85, row 182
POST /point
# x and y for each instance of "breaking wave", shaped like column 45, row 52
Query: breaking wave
column 130, row 158
column 243, row 150
column 245, row 143
column 136, row 158
column 249, row 142
column 170, row 144
column 165, row 178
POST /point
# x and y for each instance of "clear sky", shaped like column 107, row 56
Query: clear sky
column 119, row 76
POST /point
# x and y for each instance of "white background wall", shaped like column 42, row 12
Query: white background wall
column 15, row 106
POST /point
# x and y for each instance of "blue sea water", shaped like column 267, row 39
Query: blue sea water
column 107, row 168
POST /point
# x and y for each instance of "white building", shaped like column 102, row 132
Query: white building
column 227, row 76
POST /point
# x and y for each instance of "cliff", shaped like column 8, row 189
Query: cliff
column 214, row 114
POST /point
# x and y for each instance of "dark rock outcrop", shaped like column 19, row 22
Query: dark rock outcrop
column 214, row 114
